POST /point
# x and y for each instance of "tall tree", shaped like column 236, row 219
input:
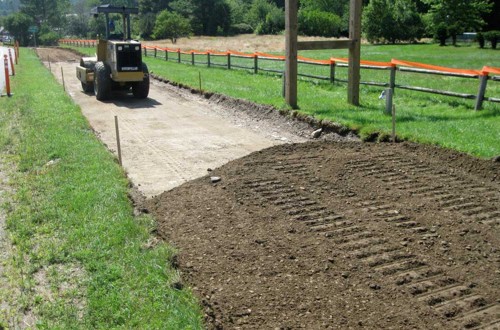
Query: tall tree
column 211, row 17
column 78, row 20
column 377, row 22
column 208, row 17
column 239, row 8
column 172, row 26
column 458, row 15
column 148, row 11
column 47, row 12
column 152, row 6
column 18, row 24
column 392, row 20
column 337, row 7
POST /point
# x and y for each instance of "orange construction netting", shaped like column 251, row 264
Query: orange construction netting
column 435, row 67
column 393, row 63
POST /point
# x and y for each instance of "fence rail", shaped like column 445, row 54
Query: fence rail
column 259, row 62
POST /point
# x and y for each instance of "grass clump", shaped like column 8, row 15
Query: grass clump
column 83, row 258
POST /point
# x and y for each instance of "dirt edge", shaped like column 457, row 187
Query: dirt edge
column 292, row 116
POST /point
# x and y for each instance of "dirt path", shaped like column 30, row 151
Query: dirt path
column 171, row 137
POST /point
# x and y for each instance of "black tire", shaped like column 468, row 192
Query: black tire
column 88, row 88
column 102, row 81
column 141, row 89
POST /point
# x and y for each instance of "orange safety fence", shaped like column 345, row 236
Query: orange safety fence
column 237, row 53
column 277, row 57
column 435, row 67
column 166, row 49
column 364, row 62
column 489, row 69
column 195, row 52
column 393, row 63
column 77, row 40
column 214, row 52
column 312, row 60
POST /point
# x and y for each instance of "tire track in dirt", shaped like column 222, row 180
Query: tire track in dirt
column 448, row 296
column 392, row 214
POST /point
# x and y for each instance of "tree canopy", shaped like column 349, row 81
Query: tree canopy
column 171, row 25
column 457, row 16
column 383, row 20
column 391, row 21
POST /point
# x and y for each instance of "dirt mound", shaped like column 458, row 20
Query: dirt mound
column 341, row 235
column 55, row 54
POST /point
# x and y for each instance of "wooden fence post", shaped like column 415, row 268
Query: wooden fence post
column 256, row 64
column 12, row 63
column 62, row 77
column 228, row 60
column 392, row 78
column 354, row 52
column 483, row 80
column 208, row 59
column 291, row 50
column 155, row 52
column 145, row 52
column 388, row 100
column 7, row 78
column 166, row 54
column 178, row 55
column 332, row 71
column 118, row 144
column 283, row 86
column 393, row 137
column 192, row 58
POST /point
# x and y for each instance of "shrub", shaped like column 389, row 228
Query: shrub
column 319, row 23
column 274, row 22
column 266, row 17
column 392, row 21
column 493, row 37
column 171, row 25
column 49, row 39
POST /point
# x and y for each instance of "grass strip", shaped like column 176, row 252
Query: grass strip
column 421, row 117
column 84, row 259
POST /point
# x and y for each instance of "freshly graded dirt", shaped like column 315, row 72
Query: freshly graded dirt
column 341, row 236
column 316, row 235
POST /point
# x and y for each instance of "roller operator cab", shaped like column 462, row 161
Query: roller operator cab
column 118, row 64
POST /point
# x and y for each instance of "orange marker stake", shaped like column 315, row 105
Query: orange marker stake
column 7, row 78
column 12, row 63
column 16, row 47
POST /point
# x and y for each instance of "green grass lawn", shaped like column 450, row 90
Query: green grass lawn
column 82, row 259
column 422, row 117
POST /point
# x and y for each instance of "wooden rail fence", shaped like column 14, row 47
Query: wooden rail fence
column 256, row 63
